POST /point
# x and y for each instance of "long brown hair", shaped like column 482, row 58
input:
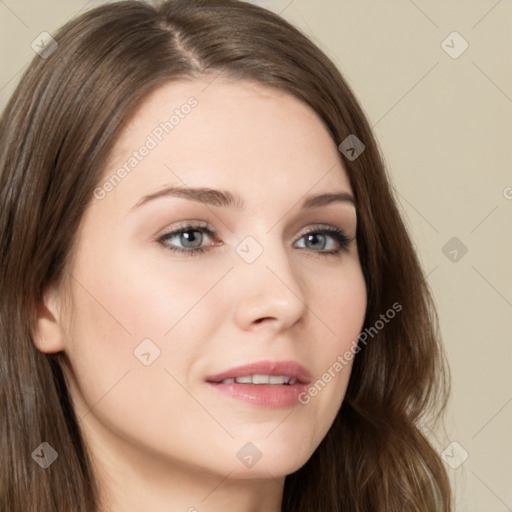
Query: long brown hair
column 57, row 131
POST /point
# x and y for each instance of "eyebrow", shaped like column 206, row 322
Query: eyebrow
column 226, row 199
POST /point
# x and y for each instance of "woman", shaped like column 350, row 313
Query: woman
column 171, row 336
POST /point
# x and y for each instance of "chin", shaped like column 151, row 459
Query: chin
column 269, row 461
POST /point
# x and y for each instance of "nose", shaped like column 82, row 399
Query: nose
column 269, row 291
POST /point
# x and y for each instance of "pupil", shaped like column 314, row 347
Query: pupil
column 314, row 237
column 189, row 237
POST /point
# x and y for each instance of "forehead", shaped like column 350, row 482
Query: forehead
column 220, row 133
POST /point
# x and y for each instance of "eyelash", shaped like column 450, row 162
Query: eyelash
column 338, row 235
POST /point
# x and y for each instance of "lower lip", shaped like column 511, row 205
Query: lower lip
column 271, row 396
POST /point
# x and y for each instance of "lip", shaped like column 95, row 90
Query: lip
column 285, row 368
column 270, row 396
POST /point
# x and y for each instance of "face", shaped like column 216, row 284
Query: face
column 170, row 289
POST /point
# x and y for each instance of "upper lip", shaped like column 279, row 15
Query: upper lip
column 285, row 368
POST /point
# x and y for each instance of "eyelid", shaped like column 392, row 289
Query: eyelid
column 188, row 226
column 321, row 226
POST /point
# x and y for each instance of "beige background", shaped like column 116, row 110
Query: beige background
column 444, row 125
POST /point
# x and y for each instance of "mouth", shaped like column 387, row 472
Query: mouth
column 269, row 384
column 264, row 372
column 260, row 379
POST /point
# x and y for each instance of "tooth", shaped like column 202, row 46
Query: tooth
column 244, row 380
column 277, row 379
column 260, row 379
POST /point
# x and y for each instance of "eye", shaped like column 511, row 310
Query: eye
column 191, row 238
column 318, row 237
column 190, row 235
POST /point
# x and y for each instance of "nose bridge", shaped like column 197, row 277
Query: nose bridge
column 267, row 285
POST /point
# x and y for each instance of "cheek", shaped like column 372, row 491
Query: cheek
column 141, row 294
column 123, row 301
column 341, row 302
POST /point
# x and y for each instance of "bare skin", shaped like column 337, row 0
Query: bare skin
column 162, row 439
